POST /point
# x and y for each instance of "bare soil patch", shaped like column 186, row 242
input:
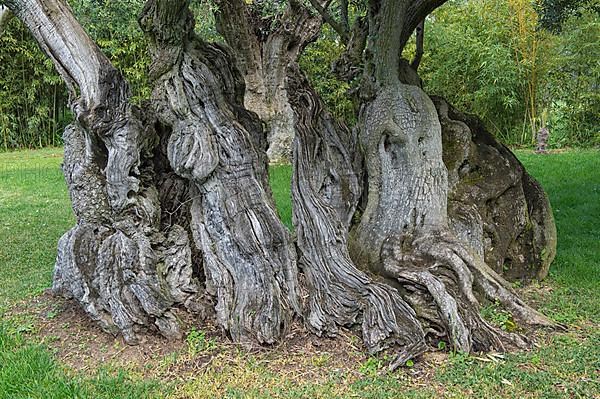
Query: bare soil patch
column 81, row 345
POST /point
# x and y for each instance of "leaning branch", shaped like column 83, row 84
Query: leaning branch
column 338, row 27
column 419, row 46
column 77, row 58
column 417, row 11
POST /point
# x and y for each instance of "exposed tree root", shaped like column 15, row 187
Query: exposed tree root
column 159, row 203
column 435, row 266
column 127, row 273
column 325, row 191
column 494, row 206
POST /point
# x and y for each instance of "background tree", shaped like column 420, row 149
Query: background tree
column 555, row 12
column 4, row 15
column 32, row 96
column 504, row 60
column 573, row 82
column 489, row 78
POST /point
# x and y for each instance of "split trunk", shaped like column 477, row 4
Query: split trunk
column 402, row 225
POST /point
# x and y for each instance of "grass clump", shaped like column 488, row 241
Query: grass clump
column 29, row 370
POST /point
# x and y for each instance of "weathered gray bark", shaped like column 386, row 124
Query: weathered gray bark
column 173, row 203
column 215, row 145
column 326, row 189
column 263, row 49
column 163, row 207
column 404, row 231
column 493, row 203
column 117, row 261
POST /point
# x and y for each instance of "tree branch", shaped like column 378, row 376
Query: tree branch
column 349, row 65
column 339, row 28
column 419, row 43
column 386, row 22
column 417, row 11
column 344, row 14
column 168, row 52
column 232, row 20
column 77, row 58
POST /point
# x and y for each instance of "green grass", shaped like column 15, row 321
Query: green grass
column 280, row 177
column 567, row 365
column 29, row 371
column 572, row 180
column 35, row 212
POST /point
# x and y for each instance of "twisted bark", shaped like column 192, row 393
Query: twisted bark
column 404, row 233
column 173, row 203
column 114, row 261
column 264, row 47
column 325, row 191
column 215, row 145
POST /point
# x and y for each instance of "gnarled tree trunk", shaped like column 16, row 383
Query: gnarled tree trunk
column 493, row 204
column 115, row 261
column 326, row 188
column 164, row 209
column 214, row 144
column 404, row 232
column 264, row 47
column 173, row 204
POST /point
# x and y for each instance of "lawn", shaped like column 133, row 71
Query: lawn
column 35, row 212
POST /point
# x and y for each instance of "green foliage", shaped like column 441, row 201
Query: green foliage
column 371, row 366
column 197, row 342
column 32, row 96
column 498, row 317
column 34, row 213
column 316, row 62
column 490, row 58
column 571, row 180
column 113, row 26
column 29, row 371
column 280, row 177
column 553, row 13
column 205, row 20
column 574, row 82
column 484, row 57
column 487, row 57
column 561, row 368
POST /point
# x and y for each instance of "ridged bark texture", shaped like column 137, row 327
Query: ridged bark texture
column 264, row 47
column 174, row 202
column 325, row 192
column 404, row 232
column 214, row 144
column 493, row 203
column 115, row 261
